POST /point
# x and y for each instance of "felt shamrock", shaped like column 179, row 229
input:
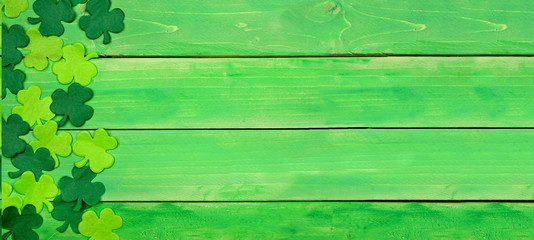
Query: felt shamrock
column 41, row 49
column 47, row 138
column 36, row 193
column 80, row 188
column 72, row 104
column 11, row 130
column 100, row 228
column 12, row 80
column 13, row 8
column 76, row 65
column 20, row 225
column 7, row 199
column 101, row 20
column 35, row 162
column 13, row 38
column 94, row 150
column 64, row 211
column 35, row 109
column 51, row 13
column 76, row 2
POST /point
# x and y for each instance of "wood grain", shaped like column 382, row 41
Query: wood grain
column 306, row 92
column 314, row 27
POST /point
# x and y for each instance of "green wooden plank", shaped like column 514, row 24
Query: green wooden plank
column 314, row 27
column 307, row 92
column 316, row 221
column 363, row 164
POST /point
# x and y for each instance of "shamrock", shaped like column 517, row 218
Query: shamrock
column 13, row 38
column 51, row 13
column 13, row 8
column 36, row 193
column 100, row 228
column 12, row 80
column 76, row 65
column 35, row 162
column 47, row 138
column 34, row 108
column 63, row 211
column 94, row 150
column 11, row 130
column 71, row 104
column 80, row 188
column 7, row 200
column 76, row 2
column 101, row 20
column 42, row 48
column 20, row 225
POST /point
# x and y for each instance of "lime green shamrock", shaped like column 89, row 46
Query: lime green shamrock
column 13, row 8
column 36, row 193
column 76, row 65
column 41, row 49
column 35, row 109
column 7, row 200
column 94, row 150
column 47, row 138
column 100, row 228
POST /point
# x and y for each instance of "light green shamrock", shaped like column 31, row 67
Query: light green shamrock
column 36, row 193
column 7, row 200
column 13, row 8
column 35, row 109
column 94, row 150
column 100, row 228
column 41, row 49
column 76, row 65
column 47, row 138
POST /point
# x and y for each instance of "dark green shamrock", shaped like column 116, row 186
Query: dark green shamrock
column 11, row 130
column 80, row 188
column 36, row 162
column 20, row 225
column 12, row 80
column 13, row 38
column 51, row 13
column 76, row 2
column 63, row 211
column 101, row 20
column 72, row 104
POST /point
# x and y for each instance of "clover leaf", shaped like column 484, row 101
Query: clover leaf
column 101, row 20
column 35, row 162
column 12, row 80
column 11, row 130
column 63, row 211
column 35, row 109
column 13, row 38
column 76, row 2
column 47, row 138
column 80, row 188
column 20, row 225
column 76, row 65
column 41, row 49
column 13, row 8
column 72, row 104
column 94, row 150
column 36, row 193
column 51, row 13
column 9, row 200
column 100, row 228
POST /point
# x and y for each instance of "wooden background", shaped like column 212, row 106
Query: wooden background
column 313, row 119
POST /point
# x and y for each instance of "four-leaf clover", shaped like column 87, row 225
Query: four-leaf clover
column 12, row 80
column 64, row 211
column 36, row 193
column 57, row 144
column 20, row 225
column 41, row 49
column 100, row 228
column 9, row 200
column 51, row 13
column 94, row 150
column 101, row 20
column 80, row 188
column 13, row 38
column 11, row 130
column 13, row 8
column 35, row 109
column 72, row 104
column 35, row 162
column 76, row 65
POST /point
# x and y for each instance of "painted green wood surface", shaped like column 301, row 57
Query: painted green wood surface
column 315, row 27
column 416, row 221
column 306, row 92
column 395, row 164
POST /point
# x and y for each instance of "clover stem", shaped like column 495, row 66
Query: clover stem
column 62, row 121
column 78, row 205
column 81, row 163
column 14, row 174
column 107, row 37
column 6, row 235
column 63, row 227
column 91, row 55
column 34, row 20
column 49, row 206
